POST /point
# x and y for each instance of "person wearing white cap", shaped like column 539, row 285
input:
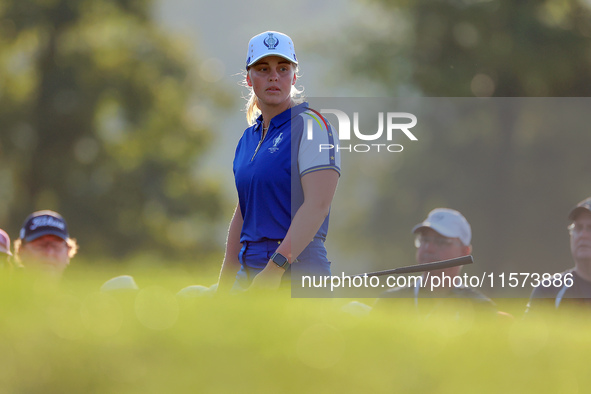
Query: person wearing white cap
column 445, row 234
column 285, row 184
column 573, row 286
column 44, row 243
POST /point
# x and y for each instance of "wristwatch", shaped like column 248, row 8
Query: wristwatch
column 280, row 260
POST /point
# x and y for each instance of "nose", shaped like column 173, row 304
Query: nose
column 428, row 245
column 273, row 75
column 430, row 249
column 51, row 252
column 427, row 253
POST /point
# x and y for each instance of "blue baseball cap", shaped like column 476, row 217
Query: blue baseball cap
column 42, row 223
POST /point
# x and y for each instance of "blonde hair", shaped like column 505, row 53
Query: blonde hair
column 252, row 109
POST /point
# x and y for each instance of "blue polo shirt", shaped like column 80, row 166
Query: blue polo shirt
column 268, row 171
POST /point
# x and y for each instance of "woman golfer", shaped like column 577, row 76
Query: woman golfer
column 286, row 172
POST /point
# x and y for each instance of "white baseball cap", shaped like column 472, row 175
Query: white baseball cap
column 195, row 291
column 583, row 206
column 449, row 223
column 270, row 43
column 119, row 283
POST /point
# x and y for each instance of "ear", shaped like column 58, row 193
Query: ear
column 294, row 78
column 248, row 81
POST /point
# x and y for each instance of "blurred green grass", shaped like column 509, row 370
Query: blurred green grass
column 69, row 338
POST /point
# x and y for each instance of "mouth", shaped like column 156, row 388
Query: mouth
column 427, row 259
column 584, row 246
column 273, row 89
column 47, row 262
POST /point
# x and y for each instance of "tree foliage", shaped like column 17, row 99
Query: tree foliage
column 466, row 48
column 514, row 174
column 101, row 120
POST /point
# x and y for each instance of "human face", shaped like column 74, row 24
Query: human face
column 271, row 78
column 580, row 238
column 432, row 246
column 47, row 253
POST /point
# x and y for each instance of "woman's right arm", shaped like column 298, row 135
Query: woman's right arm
column 231, row 263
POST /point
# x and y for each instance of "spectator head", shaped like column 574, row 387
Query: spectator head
column 44, row 243
column 445, row 234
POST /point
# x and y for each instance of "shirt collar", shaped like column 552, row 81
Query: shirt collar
column 283, row 117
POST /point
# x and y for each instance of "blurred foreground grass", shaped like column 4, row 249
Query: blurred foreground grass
column 70, row 338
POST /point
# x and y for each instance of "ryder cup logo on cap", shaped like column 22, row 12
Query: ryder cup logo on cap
column 584, row 205
column 43, row 223
column 449, row 223
column 4, row 243
column 270, row 43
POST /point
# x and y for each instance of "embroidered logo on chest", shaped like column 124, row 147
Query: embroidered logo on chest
column 276, row 142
